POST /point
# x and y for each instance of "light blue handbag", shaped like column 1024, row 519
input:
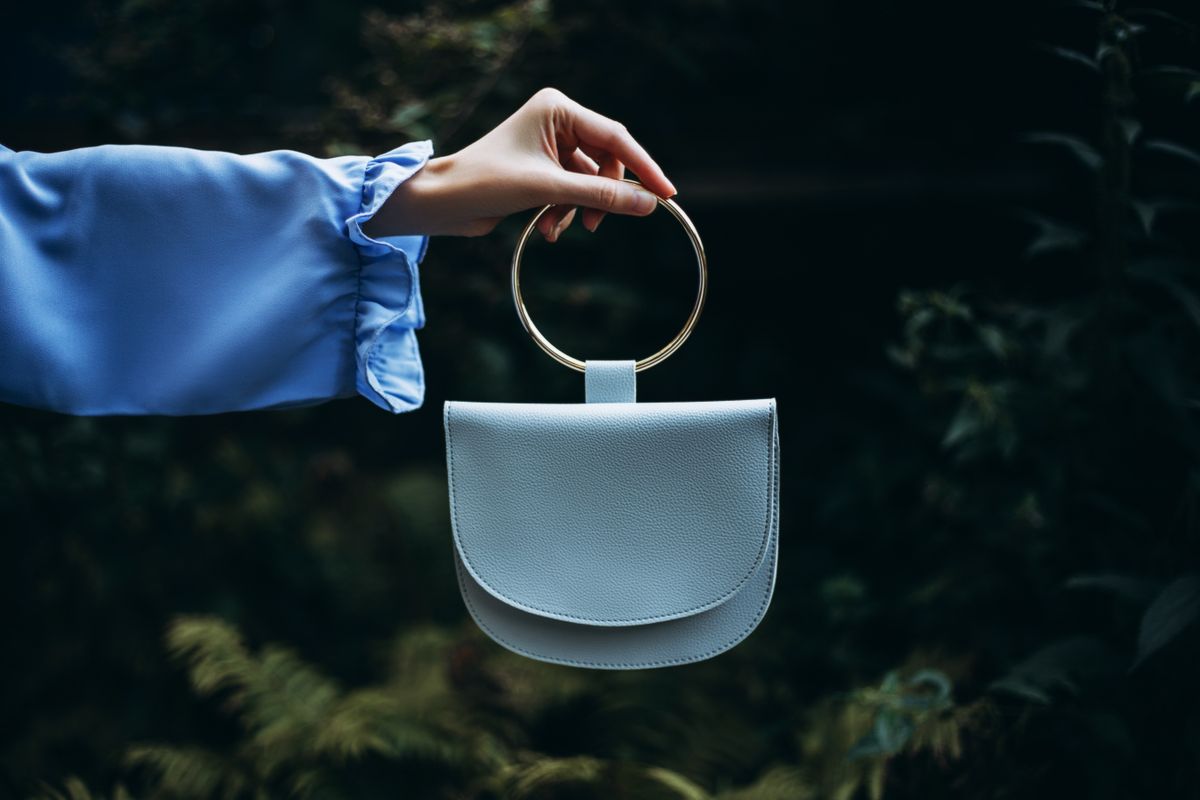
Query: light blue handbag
column 614, row 534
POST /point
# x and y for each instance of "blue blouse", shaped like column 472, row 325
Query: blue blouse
column 165, row 280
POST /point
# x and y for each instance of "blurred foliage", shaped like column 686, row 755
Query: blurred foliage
column 428, row 72
column 990, row 573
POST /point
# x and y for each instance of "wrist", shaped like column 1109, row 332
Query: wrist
column 410, row 210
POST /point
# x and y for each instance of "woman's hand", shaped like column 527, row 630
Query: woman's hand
column 551, row 151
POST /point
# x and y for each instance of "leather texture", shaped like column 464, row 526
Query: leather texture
column 610, row 382
column 613, row 534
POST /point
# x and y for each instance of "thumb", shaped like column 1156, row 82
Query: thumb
column 606, row 194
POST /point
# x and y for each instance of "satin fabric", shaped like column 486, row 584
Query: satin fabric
column 142, row 279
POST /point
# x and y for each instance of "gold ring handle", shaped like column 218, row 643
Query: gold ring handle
column 648, row 361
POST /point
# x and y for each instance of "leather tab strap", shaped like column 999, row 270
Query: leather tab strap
column 609, row 382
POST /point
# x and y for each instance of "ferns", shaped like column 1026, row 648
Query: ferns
column 468, row 713
column 777, row 783
column 522, row 780
column 536, row 776
column 300, row 724
column 851, row 740
column 75, row 789
column 191, row 771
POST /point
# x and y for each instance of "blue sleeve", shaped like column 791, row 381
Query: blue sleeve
column 164, row 280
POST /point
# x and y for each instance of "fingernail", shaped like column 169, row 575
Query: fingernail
column 674, row 191
column 644, row 202
column 596, row 224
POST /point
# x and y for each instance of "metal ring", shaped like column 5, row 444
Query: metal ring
column 649, row 361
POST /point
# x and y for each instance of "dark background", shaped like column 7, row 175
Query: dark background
column 956, row 240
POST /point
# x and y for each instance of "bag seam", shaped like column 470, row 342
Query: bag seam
column 771, row 560
column 474, row 573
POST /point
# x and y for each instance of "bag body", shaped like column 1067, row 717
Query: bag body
column 613, row 534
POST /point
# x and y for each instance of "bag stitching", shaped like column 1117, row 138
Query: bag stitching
column 636, row 620
column 758, row 615
column 563, row 616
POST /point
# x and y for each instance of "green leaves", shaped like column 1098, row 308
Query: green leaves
column 524, row 780
column 1075, row 665
column 1069, row 666
column 300, row 724
column 191, row 772
column 75, row 789
column 1173, row 611
column 677, row 784
column 902, row 706
column 1172, row 72
column 1164, row 18
column 412, row 118
column 1171, row 275
column 1052, row 236
column 1076, row 146
column 1072, row 56
column 428, row 72
column 445, row 706
column 777, row 783
column 1136, row 590
column 888, row 736
column 1174, row 150
column 535, row 776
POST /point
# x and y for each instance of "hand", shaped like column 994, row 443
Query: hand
column 551, row 151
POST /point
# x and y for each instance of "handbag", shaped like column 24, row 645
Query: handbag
column 612, row 534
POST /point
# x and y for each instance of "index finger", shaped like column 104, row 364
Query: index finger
column 596, row 130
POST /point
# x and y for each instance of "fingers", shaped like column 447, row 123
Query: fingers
column 604, row 194
column 555, row 221
column 591, row 154
column 599, row 131
column 610, row 167
column 550, row 225
column 562, row 225
column 558, row 219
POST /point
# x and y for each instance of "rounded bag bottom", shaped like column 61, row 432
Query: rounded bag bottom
column 660, row 644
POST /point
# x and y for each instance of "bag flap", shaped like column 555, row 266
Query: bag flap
column 611, row 513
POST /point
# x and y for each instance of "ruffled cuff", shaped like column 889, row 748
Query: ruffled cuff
column 389, row 308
